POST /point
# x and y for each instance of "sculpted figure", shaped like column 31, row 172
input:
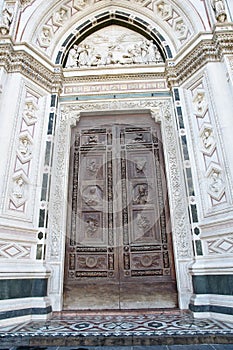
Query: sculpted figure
column 207, row 139
column 45, row 36
column 219, row 10
column 216, row 182
column 24, row 147
column 83, row 55
column 18, row 188
column 163, row 9
column 30, row 112
column 60, row 16
column 5, row 21
column 72, row 57
column 153, row 54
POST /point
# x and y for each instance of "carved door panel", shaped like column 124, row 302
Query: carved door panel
column 119, row 251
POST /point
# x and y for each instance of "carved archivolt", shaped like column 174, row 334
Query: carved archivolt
column 161, row 112
column 62, row 15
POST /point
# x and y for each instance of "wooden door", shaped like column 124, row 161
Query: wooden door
column 119, row 245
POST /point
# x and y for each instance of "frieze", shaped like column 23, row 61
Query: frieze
column 123, row 87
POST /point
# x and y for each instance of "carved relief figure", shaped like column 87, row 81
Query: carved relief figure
column 80, row 2
column 18, row 188
column 219, row 10
column 91, row 227
column 143, row 226
column 113, row 46
column 30, row 111
column 24, row 147
column 200, row 102
column 92, row 167
column 207, row 139
column 153, row 54
column 92, row 195
column 141, row 194
column 45, row 36
column 5, row 21
column 180, row 28
column 140, row 165
column 60, row 16
column 72, row 57
column 163, row 9
column 216, row 182
column 83, row 55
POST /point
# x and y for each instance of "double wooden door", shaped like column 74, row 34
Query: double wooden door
column 119, row 245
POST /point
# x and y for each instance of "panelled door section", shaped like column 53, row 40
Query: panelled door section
column 119, row 249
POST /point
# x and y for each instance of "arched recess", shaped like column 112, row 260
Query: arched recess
column 106, row 19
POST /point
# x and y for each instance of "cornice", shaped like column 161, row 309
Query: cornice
column 22, row 60
column 205, row 48
column 208, row 48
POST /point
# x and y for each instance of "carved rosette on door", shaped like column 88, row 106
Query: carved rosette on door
column 119, row 232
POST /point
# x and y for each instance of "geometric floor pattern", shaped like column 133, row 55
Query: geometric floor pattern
column 164, row 329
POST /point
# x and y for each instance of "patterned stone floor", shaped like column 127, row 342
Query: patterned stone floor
column 72, row 331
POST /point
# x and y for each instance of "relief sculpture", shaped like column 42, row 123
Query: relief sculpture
column 140, row 194
column 121, row 47
column 92, row 195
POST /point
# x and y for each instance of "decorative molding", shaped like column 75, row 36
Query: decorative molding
column 21, row 61
column 70, row 115
column 15, row 250
column 220, row 246
column 205, row 51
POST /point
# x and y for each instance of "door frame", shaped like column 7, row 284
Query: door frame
column 161, row 110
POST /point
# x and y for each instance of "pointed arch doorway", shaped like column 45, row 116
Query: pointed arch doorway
column 119, row 245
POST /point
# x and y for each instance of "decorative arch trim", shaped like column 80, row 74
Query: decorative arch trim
column 118, row 17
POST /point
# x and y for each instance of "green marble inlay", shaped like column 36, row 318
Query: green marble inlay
column 23, row 288
column 213, row 284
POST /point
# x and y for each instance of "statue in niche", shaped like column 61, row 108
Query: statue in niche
column 24, row 147
column 219, row 10
column 163, row 9
column 91, row 226
column 18, row 188
column 5, row 21
column 207, row 139
column 60, row 16
column 72, row 57
column 141, row 194
column 140, row 165
column 216, row 182
column 92, row 195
